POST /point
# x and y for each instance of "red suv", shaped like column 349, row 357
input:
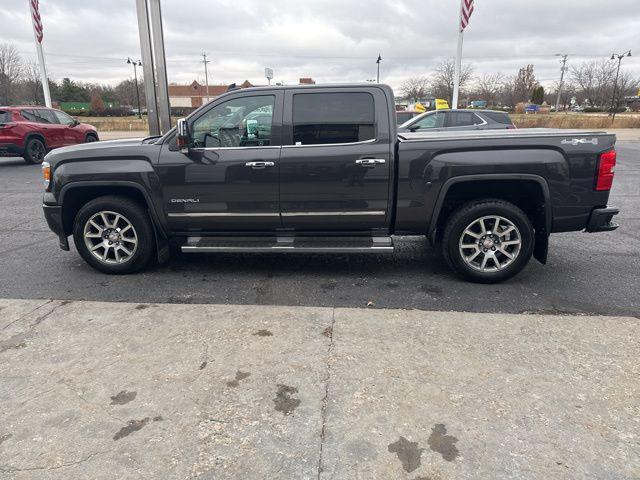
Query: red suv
column 31, row 131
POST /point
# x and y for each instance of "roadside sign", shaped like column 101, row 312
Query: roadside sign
column 268, row 73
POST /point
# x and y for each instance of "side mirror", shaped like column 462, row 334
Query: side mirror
column 183, row 139
column 75, row 122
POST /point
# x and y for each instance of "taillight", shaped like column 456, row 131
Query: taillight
column 606, row 170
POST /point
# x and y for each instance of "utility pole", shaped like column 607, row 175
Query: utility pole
column 206, row 74
column 562, row 70
column 614, row 104
column 378, row 62
column 136, row 64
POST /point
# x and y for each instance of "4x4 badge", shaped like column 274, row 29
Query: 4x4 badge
column 576, row 141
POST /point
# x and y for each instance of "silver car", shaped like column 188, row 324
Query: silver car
column 438, row 120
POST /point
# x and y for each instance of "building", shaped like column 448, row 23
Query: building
column 195, row 94
column 307, row 81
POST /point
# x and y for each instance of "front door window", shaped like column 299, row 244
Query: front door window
column 240, row 122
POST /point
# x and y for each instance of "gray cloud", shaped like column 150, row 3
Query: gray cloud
column 330, row 40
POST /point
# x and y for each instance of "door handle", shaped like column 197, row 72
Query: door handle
column 370, row 162
column 259, row 165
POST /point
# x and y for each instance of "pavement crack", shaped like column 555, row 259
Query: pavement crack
column 26, row 314
column 54, row 467
column 323, row 412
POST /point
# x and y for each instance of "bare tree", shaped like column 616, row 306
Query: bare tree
column 10, row 72
column 488, row 86
column 415, row 88
column 595, row 80
column 442, row 84
column 31, row 90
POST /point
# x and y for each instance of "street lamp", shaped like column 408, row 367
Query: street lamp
column 614, row 104
column 378, row 62
column 136, row 64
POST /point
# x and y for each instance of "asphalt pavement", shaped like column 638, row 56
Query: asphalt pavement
column 585, row 273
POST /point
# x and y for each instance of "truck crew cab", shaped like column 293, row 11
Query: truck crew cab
column 323, row 169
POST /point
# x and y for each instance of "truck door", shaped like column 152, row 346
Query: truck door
column 228, row 182
column 335, row 163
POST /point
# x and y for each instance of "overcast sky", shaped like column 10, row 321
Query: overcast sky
column 329, row 40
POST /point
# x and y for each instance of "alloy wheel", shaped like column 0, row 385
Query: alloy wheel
column 490, row 243
column 36, row 150
column 110, row 237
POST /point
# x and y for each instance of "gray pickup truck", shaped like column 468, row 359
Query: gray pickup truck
column 323, row 169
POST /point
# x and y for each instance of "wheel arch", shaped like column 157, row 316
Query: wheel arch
column 76, row 194
column 529, row 192
column 37, row 135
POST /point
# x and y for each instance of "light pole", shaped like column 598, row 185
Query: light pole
column 378, row 62
column 136, row 64
column 562, row 70
column 614, row 104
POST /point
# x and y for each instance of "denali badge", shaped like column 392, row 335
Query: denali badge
column 185, row 200
column 576, row 141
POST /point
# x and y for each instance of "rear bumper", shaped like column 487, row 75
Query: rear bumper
column 53, row 216
column 10, row 150
column 600, row 220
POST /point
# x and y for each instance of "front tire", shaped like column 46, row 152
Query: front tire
column 488, row 241
column 114, row 235
column 91, row 137
column 34, row 151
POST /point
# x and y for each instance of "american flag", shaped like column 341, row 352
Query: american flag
column 37, row 21
column 465, row 13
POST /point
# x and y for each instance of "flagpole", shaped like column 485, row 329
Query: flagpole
column 456, row 75
column 33, row 6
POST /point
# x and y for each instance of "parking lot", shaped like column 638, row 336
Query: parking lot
column 585, row 273
column 318, row 367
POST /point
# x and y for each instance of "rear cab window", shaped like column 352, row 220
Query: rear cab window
column 333, row 118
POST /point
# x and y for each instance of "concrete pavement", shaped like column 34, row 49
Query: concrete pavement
column 126, row 390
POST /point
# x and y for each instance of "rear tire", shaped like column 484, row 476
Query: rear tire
column 488, row 241
column 34, row 151
column 114, row 235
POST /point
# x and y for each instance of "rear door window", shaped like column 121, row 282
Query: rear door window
column 39, row 115
column 47, row 115
column 5, row 116
column 464, row 119
column 499, row 117
column 330, row 118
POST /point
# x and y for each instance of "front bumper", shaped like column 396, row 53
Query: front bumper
column 600, row 220
column 10, row 150
column 53, row 215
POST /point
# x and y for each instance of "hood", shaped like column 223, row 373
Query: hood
column 106, row 149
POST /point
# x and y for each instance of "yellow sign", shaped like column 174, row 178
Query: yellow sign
column 419, row 108
column 441, row 104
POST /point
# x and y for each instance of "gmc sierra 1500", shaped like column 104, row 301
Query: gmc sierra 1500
column 323, row 169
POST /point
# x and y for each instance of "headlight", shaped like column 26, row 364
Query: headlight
column 46, row 173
